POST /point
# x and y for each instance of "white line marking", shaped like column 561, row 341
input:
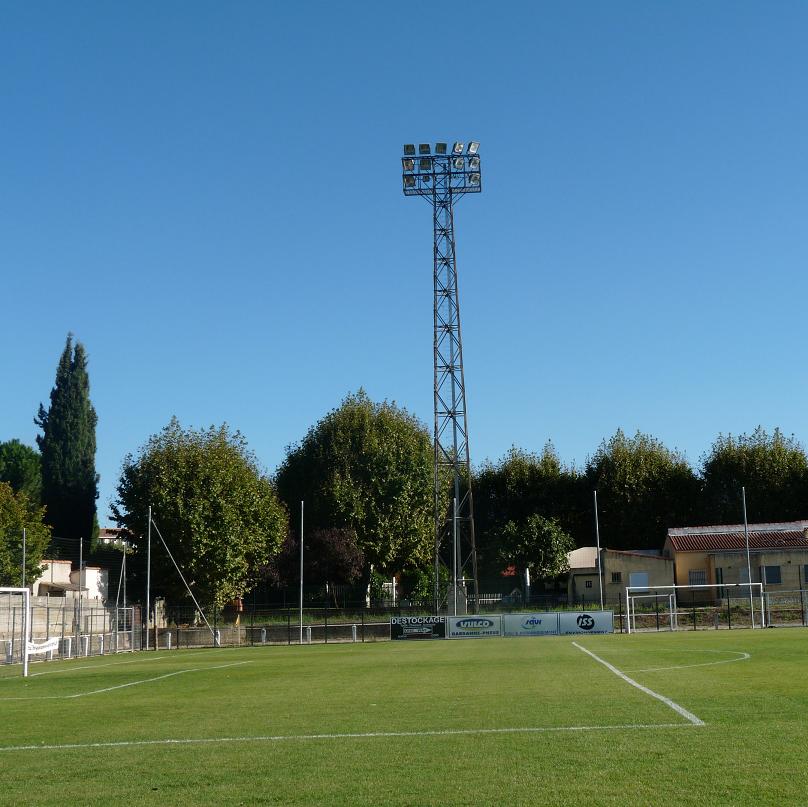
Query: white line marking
column 347, row 736
column 92, row 666
column 741, row 657
column 667, row 701
column 123, row 686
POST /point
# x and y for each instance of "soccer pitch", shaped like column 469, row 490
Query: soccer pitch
column 692, row 718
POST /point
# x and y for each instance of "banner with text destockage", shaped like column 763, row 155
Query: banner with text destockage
column 418, row 627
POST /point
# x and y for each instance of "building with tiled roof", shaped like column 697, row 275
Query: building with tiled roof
column 619, row 568
column 716, row 555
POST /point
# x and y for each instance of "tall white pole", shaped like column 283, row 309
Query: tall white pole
column 301, row 572
column 748, row 558
column 148, row 577
column 81, row 586
column 597, row 538
column 23, row 557
column 26, row 630
column 454, row 552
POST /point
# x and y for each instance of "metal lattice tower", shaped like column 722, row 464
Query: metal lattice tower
column 440, row 178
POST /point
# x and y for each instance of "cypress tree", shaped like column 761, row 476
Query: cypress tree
column 67, row 445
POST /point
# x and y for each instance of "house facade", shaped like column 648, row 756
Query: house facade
column 716, row 556
column 620, row 568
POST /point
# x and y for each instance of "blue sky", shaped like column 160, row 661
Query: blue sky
column 208, row 196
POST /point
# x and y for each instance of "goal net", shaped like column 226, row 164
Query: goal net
column 695, row 606
column 15, row 626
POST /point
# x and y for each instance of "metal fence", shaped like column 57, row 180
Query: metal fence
column 779, row 609
column 185, row 627
column 82, row 629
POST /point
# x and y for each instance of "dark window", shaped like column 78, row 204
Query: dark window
column 770, row 575
column 589, row 584
column 617, row 577
column 697, row 577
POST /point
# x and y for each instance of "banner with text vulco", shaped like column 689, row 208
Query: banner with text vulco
column 473, row 627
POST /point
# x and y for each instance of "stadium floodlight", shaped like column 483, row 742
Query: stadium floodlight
column 409, row 164
column 440, row 178
column 474, row 147
column 409, row 150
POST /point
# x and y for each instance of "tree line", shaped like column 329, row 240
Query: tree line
column 365, row 473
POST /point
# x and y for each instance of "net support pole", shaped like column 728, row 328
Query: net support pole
column 26, row 630
column 148, row 576
column 748, row 559
column 301, row 573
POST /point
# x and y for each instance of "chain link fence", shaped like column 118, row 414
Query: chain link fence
column 82, row 628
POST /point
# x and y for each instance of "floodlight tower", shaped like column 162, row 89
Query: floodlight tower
column 440, row 178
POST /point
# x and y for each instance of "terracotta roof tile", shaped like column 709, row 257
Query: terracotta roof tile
column 786, row 535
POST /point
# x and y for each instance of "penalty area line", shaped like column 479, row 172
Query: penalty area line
column 689, row 716
column 269, row 738
column 124, row 686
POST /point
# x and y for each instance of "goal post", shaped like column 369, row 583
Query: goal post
column 634, row 593
column 15, row 629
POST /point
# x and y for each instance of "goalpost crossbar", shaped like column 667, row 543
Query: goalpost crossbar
column 670, row 592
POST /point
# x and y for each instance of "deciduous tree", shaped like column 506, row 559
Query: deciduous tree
column 536, row 543
column 367, row 467
column 21, row 467
column 520, row 485
column 218, row 513
column 18, row 512
column 643, row 488
column 774, row 469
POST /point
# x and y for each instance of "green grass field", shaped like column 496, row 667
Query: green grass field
column 495, row 721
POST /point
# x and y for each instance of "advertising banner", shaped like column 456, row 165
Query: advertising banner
column 543, row 624
column 586, row 622
column 474, row 627
column 418, row 627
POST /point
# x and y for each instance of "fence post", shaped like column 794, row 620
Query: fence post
column 693, row 606
column 656, row 608
column 729, row 615
column 620, row 612
column 168, row 641
column 353, row 632
column 263, row 635
column 252, row 623
column 326, row 621
column 363, row 626
column 288, row 627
